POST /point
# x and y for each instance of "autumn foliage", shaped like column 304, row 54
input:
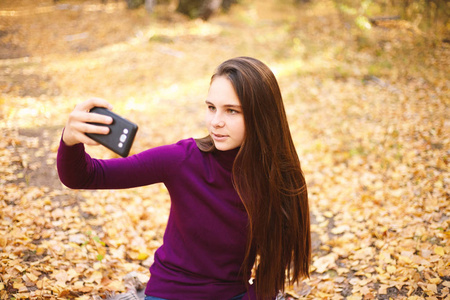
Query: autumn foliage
column 368, row 110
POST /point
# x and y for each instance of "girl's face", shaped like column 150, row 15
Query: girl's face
column 224, row 117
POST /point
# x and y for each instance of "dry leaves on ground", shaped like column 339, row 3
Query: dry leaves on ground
column 368, row 113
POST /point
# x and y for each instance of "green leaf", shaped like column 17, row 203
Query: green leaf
column 363, row 23
column 97, row 239
column 347, row 9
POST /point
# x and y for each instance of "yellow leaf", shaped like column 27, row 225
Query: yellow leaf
column 326, row 287
column 439, row 251
column 71, row 274
column 383, row 289
column 3, row 241
column 328, row 214
column 326, row 262
column 61, row 276
column 116, row 285
column 405, row 259
column 86, row 289
column 436, row 280
column 95, row 277
column 142, row 256
column 18, row 285
column 19, row 268
column 391, row 269
column 32, row 277
column 432, row 287
column 23, row 295
column 340, row 229
column 78, row 285
column 40, row 250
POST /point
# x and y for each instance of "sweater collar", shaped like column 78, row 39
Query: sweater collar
column 226, row 158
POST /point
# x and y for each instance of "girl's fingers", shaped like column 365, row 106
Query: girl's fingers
column 86, row 117
column 78, row 122
column 76, row 133
column 93, row 102
column 82, row 138
column 90, row 128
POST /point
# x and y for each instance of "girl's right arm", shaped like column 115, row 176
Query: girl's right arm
column 77, row 170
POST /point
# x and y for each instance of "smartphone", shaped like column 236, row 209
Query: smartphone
column 121, row 132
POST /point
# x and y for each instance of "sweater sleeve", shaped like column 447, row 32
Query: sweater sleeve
column 78, row 170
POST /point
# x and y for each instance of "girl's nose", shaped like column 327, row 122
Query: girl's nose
column 217, row 121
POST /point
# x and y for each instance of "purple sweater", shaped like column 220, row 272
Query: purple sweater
column 204, row 242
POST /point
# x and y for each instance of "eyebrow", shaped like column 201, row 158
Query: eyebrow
column 226, row 105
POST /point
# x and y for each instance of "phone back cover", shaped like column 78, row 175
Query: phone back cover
column 121, row 135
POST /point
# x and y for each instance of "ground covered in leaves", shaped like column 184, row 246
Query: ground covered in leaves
column 369, row 113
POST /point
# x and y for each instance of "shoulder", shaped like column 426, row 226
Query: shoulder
column 175, row 153
column 188, row 145
column 183, row 149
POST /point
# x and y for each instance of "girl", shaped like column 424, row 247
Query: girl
column 238, row 195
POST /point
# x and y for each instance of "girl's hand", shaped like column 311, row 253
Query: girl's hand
column 77, row 124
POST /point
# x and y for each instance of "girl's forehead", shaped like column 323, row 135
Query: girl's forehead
column 221, row 91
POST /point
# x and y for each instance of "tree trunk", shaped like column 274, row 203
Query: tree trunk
column 199, row 8
column 149, row 4
column 226, row 4
column 133, row 4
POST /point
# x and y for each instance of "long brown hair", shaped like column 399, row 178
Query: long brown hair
column 269, row 180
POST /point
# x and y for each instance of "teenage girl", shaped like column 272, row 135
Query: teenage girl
column 238, row 196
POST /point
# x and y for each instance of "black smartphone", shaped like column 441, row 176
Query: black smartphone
column 121, row 132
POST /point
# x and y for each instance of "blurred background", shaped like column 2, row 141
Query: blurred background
column 366, row 89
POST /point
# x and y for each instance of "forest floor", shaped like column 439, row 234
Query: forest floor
column 368, row 110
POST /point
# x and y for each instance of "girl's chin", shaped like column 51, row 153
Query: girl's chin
column 225, row 146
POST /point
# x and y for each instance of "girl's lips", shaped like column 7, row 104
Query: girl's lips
column 219, row 136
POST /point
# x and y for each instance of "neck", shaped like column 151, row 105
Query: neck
column 226, row 158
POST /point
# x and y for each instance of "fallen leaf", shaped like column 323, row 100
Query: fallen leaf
column 340, row 229
column 325, row 262
column 439, row 250
column 391, row 269
column 61, row 277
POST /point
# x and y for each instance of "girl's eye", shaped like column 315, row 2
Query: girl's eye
column 211, row 108
column 232, row 111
